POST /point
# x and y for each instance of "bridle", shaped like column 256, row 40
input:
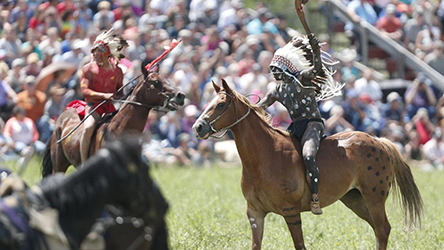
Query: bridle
column 225, row 129
column 159, row 108
column 147, row 234
column 148, row 223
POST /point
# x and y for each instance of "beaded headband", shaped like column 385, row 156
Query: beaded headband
column 283, row 63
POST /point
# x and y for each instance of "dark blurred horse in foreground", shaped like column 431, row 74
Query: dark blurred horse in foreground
column 356, row 168
column 60, row 212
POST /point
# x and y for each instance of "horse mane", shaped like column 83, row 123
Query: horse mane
column 76, row 193
column 260, row 113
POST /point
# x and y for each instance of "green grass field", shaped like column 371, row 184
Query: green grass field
column 207, row 211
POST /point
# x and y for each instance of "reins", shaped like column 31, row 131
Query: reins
column 155, row 107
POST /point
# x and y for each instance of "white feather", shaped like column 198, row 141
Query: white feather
column 114, row 43
column 296, row 56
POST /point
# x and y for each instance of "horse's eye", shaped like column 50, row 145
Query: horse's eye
column 220, row 105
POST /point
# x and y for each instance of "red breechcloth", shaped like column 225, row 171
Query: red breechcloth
column 79, row 105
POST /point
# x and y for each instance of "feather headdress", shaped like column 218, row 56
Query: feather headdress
column 297, row 55
column 112, row 43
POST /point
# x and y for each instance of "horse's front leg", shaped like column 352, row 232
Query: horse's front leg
column 256, row 219
column 292, row 215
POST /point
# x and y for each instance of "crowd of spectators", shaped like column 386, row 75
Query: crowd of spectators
column 220, row 39
column 419, row 27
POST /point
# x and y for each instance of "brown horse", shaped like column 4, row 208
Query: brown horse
column 355, row 168
column 153, row 92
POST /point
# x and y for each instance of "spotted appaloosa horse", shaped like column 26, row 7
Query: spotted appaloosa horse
column 153, row 92
column 356, row 168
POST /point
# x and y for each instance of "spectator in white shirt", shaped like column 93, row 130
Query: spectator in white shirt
column 366, row 85
column 433, row 150
column 22, row 136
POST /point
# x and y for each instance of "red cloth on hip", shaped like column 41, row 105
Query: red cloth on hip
column 80, row 107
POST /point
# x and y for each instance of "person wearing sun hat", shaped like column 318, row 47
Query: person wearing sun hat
column 32, row 65
column 32, row 99
column 100, row 80
column 304, row 79
column 393, row 111
column 389, row 24
column 420, row 94
column 53, row 108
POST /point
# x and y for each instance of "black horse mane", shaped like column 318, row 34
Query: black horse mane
column 115, row 175
column 77, row 191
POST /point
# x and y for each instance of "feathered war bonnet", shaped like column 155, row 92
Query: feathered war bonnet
column 297, row 55
column 112, row 45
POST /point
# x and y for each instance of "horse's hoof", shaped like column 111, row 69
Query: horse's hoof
column 316, row 211
column 315, row 207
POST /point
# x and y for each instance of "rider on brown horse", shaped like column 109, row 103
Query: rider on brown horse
column 304, row 80
column 100, row 79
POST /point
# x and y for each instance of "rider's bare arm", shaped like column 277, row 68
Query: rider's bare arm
column 268, row 100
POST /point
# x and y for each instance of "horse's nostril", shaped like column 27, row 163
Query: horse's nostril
column 180, row 97
column 199, row 128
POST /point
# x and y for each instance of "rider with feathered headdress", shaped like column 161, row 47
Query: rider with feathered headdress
column 305, row 77
column 100, row 80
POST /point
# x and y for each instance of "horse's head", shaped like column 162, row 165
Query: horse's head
column 140, row 196
column 136, row 190
column 221, row 113
column 155, row 91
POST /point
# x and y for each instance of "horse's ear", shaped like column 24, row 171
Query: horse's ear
column 156, row 68
column 226, row 86
column 144, row 71
column 215, row 86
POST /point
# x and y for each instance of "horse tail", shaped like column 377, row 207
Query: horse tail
column 405, row 184
column 47, row 162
